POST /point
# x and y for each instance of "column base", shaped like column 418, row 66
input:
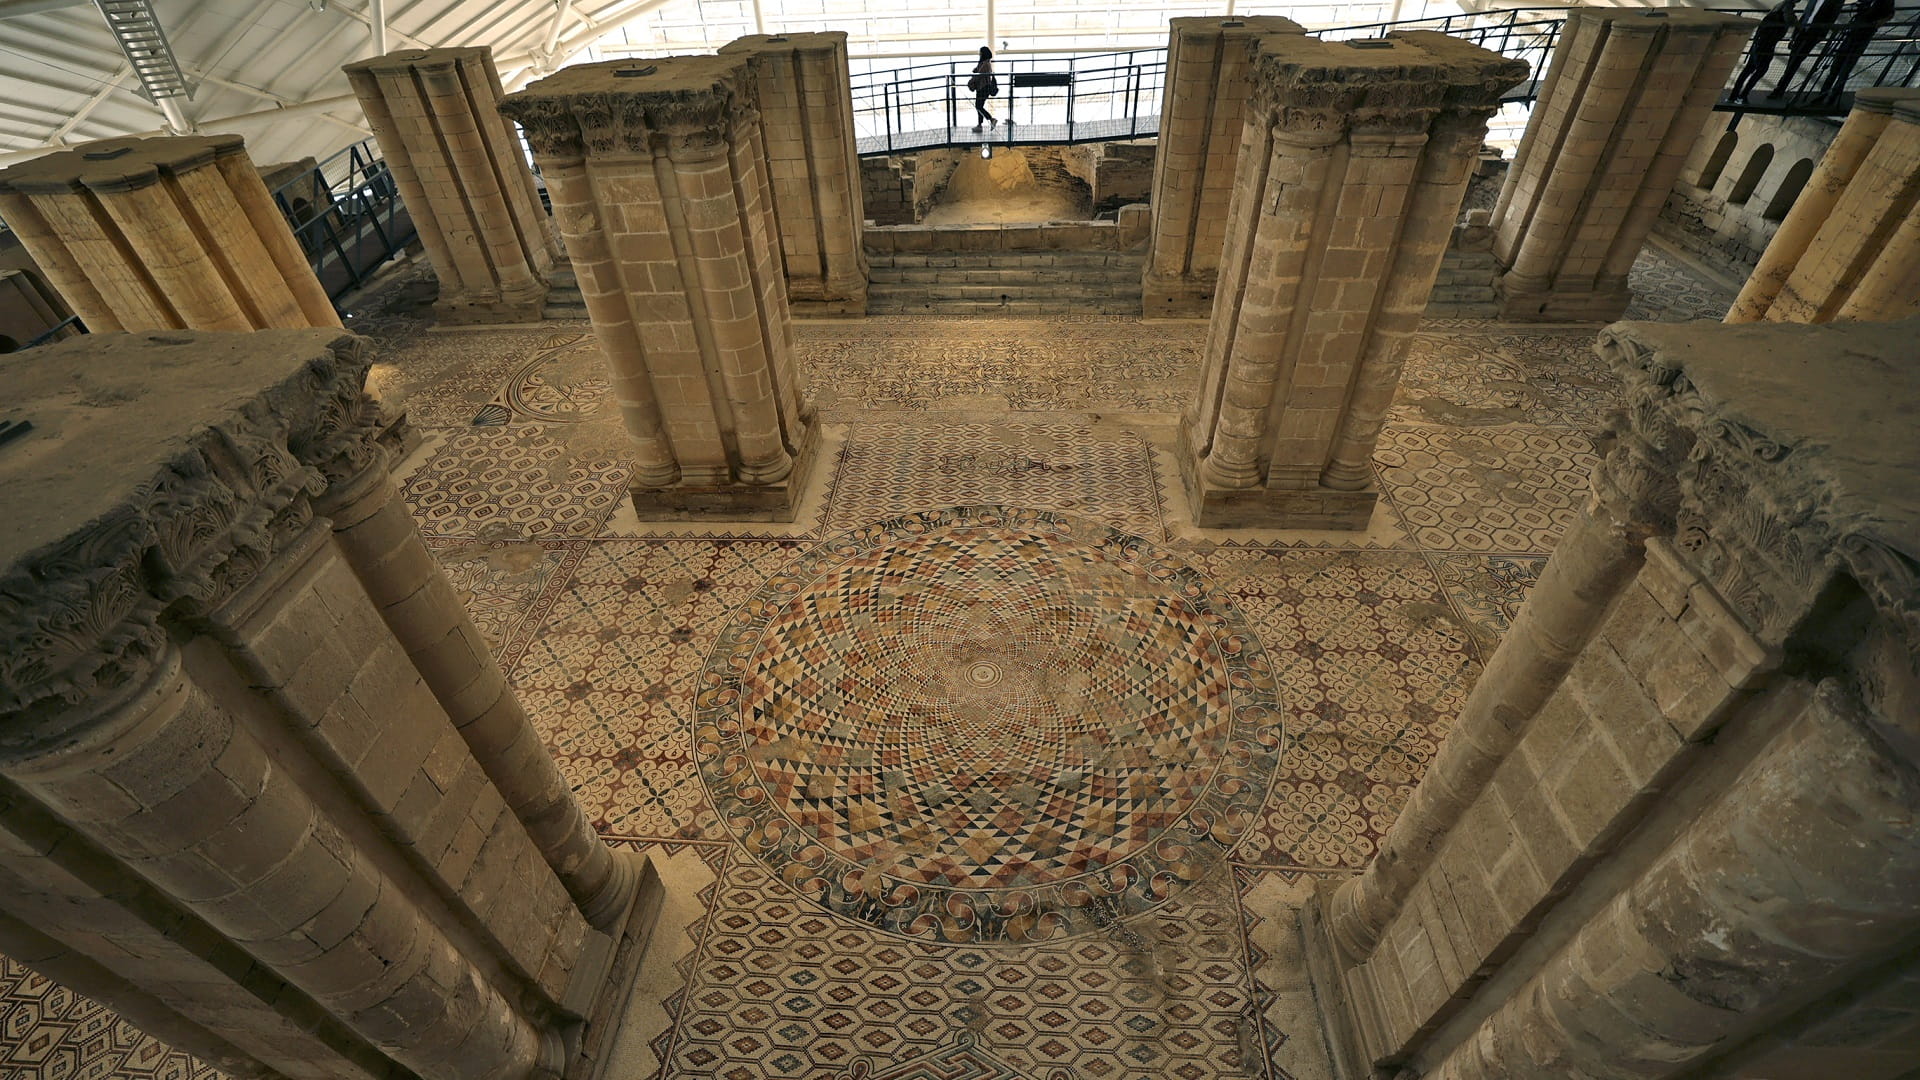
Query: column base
column 1326, row 972
column 603, row 985
column 1189, row 297
column 1519, row 303
column 729, row 501
column 466, row 311
column 852, row 307
column 1274, row 508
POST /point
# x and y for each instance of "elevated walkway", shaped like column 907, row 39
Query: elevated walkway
column 1056, row 98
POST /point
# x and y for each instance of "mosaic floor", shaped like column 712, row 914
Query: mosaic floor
column 987, row 766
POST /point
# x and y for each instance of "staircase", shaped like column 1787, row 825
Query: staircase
column 1005, row 283
column 1464, row 289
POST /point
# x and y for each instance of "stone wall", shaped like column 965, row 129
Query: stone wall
column 1124, row 234
column 1737, row 186
column 263, row 788
column 886, row 186
column 1671, row 832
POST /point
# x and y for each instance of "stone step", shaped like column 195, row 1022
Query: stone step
column 1011, row 308
column 1462, row 294
column 1003, row 259
column 1488, row 310
column 1005, row 278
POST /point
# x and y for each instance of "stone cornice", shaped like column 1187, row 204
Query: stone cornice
column 1765, row 497
column 675, row 104
column 1398, row 84
column 84, row 608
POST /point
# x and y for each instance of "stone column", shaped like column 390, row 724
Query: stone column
column 660, row 192
column 230, row 800
column 1623, row 102
column 1209, row 75
column 463, row 176
column 163, row 234
column 1850, row 247
column 801, row 86
column 1353, row 160
column 1681, row 828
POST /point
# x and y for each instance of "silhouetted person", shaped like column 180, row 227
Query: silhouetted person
column 1766, row 41
column 1813, row 30
column 984, row 86
column 1868, row 17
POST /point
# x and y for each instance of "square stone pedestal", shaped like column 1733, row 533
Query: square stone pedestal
column 1269, row 507
column 1188, row 297
column 731, row 501
column 1521, row 302
column 602, row 988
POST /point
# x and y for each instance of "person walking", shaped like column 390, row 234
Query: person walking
column 1814, row 27
column 984, row 86
column 1766, row 41
column 1868, row 17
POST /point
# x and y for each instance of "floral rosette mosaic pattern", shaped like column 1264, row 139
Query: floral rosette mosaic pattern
column 986, row 724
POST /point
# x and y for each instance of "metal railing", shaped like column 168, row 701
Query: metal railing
column 347, row 215
column 1067, row 98
column 1060, row 98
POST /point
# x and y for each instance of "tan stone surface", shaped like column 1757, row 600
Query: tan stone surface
column 1850, row 247
column 240, row 793
column 800, row 84
column 463, row 176
column 1209, row 64
column 1352, row 165
column 1621, row 105
column 158, row 234
column 660, row 187
column 1634, row 850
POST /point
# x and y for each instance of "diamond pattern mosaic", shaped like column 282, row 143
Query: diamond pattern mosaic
column 988, row 724
column 619, row 635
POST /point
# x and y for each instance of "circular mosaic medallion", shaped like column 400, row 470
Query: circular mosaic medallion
column 987, row 724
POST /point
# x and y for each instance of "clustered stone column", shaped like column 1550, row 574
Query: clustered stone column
column 463, row 177
column 1353, row 161
column 1673, row 823
column 1850, row 247
column 251, row 793
column 800, row 84
column 1208, row 78
column 1622, row 103
column 659, row 187
column 163, row 234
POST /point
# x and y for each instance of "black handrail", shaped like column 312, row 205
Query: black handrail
column 348, row 226
column 1116, row 95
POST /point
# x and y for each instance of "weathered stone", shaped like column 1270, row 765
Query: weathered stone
column 163, row 234
column 661, row 191
column 1850, row 247
column 1354, row 157
column 183, row 637
column 1698, row 757
column 1209, row 69
column 801, row 86
column 466, row 183
column 1621, row 104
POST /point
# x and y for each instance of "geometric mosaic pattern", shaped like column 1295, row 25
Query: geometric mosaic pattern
column 606, row 637
column 48, row 1032
column 1085, row 363
column 776, row 987
column 986, row 724
column 895, row 467
column 1512, row 489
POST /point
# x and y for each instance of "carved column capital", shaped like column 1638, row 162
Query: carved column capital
column 130, row 534
column 1766, row 486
